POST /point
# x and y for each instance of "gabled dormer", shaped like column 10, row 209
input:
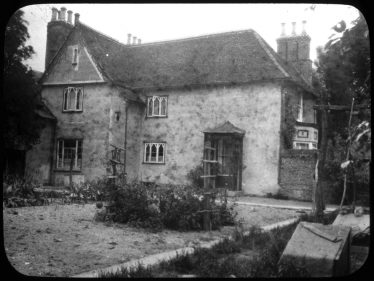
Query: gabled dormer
column 68, row 60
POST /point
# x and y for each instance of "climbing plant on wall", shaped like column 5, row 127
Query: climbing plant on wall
column 288, row 129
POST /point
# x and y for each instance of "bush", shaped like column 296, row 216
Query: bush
column 194, row 176
column 155, row 207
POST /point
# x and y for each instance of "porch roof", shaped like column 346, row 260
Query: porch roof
column 225, row 128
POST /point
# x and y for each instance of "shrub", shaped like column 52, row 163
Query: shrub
column 194, row 176
column 155, row 207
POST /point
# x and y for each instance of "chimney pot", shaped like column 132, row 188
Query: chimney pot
column 62, row 13
column 139, row 41
column 70, row 15
column 128, row 38
column 76, row 18
column 134, row 40
column 303, row 31
column 54, row 14
column 283, row 25
column 293, row 28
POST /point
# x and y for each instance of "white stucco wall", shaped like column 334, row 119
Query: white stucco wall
column 254, row 108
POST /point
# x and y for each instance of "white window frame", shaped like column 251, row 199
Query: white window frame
column 77, row 106
column 159, row 160
column 310, row 145
column 159, row 99
column 300, row 108
column 60, row 156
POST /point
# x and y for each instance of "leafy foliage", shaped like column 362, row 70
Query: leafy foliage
column 288, row 129
column 222, row 260
column 194, row 176
column 172, row 207
column 343, row 73
column 21, row 126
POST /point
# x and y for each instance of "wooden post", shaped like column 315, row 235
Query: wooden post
column 318, row 202
column 206, row 214
column 72, row 161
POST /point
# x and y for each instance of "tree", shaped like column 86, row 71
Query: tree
column 343, row 71
column 344, row 67
column 21, row 91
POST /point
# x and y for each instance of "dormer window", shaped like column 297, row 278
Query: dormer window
column 73, row 99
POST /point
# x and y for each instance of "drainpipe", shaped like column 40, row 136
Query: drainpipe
column 52, row 152
column 125, row 144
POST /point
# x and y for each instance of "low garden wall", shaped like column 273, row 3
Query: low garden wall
column 296, row 174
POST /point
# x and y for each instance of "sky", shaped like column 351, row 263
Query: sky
column 160, row 22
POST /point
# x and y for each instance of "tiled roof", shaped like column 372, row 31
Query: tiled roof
column 225, row 128
column 226, row 58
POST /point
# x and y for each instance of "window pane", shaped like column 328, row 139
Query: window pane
column 150, row 106
column 78, row 103
column 161, row 153
column 163, row 107
column 65, row 99
column 153, row 153
column 156, row 107
column 147, row 152
column 71, row 98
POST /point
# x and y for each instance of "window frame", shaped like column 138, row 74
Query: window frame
column 160, row 99
column 60, row 164
column 150, row 145
column 66, row 92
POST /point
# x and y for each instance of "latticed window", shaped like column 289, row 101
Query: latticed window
column 73, row 99
column 69, row 151
column 157, row 106
column 154, row 152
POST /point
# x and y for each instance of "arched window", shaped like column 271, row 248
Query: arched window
column 161, row 153
column 147, row 152
column 163, row 107
column 157, row 106
column 150, row 107
column 72, row 99
column 154, row 153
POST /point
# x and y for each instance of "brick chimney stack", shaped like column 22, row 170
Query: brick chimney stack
column 70, row 17
column 54, row 14
column 63, row 13
column 134, row 40
column 57, row 31
column 76, row 18
column 128, row 38
column 295, row 50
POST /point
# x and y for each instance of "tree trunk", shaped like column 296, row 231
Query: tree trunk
column 318, row 202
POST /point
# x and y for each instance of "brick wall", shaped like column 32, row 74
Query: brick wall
column 296, row 174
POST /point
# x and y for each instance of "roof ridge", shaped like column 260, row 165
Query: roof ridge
column 191, row 38
column 268, row 52
column 102, row 34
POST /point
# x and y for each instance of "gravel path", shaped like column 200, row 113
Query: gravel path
column 63, row 240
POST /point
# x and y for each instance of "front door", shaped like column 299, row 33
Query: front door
column 223, row 161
